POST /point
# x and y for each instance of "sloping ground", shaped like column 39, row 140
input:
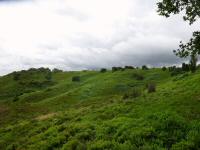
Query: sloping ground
column 91, row 114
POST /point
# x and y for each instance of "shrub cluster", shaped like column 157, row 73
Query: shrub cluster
column 151, row 87
column 144, row 67
column 129, row 67
column 138, row 76
column 136, row 92
column 164, row 68
column 103, row 70
column 76, row 78
column 116, row 69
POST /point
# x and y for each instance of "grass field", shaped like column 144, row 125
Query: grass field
column 111, row 110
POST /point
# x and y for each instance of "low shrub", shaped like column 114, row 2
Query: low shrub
column 15, row 98
column 151, row 87
column 103, row 70
column 116, row 69
column 132, row 94
column 144, row 67
column 55, row 70
column 76, row 79
column 138, row 76
column 16, row 76
column 164, row 68
column 129, row 67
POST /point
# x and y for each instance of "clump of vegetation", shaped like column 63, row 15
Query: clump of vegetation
column 76, row 79
column 48, row 76
column 15, row 98
column 16, row 76
column 116, row 69
column 134, row 93
column 164, row 68
column 103, row 70
column 144, row 67
column 129, row 67
column 55, row 70
column 138, row 76
column 185, row 67
column 151, row 87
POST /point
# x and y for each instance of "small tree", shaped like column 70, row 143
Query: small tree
column 191, row 11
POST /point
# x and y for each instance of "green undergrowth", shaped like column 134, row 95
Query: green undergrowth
column 92, row 113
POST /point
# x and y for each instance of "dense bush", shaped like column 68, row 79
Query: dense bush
column 55, row 70
column 136, row 92
column 48, row 76
column 151, row 87
column 16, row 76
column 176, row 71
column 144, row 67
column 185, row 67
column 76, row 78
column 138, row 76
column 129, row 67
column 164, row 68
column 15, row 98
column 103, row 70
column 116, row 69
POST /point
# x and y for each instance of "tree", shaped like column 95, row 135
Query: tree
column 191, row 11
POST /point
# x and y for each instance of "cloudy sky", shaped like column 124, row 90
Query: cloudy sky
column 87, row 34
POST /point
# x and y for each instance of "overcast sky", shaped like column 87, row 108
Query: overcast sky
column 87, row 34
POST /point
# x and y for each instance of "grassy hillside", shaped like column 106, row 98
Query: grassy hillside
column 111, row 110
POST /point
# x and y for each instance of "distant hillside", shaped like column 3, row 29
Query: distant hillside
column 123, row 109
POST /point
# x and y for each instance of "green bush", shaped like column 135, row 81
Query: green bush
column 76, row 79
column 144, row 67
column 74, row 145
column 129, row 67
column 103, row 70
column 164, row 68
column 138, row 76
column 136, row 92
column 116, row 69
column 151, row 87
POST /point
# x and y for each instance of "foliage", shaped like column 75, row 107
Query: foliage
column 129, row 67
column 76, row 78
column 151, row 87
column 116, row 69
column 103, row 70
column 144, row 67
column 191, row 8
column 164, row 68
column 185, row 67
column 138, row 76
column 192, row 13
column 92, row 115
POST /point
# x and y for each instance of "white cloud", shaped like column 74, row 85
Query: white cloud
column 77, row 34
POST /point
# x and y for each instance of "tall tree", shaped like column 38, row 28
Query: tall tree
column 191, row 13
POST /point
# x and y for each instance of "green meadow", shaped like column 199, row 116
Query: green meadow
column 127, row 109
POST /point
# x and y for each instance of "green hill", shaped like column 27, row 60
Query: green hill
column 40, row 109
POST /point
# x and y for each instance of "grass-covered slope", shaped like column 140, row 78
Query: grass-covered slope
column 94, row 114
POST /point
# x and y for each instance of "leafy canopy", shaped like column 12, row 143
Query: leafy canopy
column 191, row 8
column 191, row 11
